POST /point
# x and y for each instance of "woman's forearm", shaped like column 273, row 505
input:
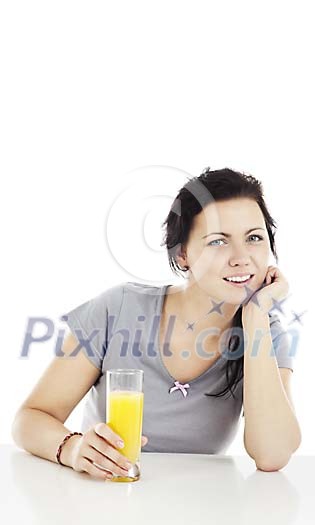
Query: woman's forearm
column 41, row 434
column 272, row 432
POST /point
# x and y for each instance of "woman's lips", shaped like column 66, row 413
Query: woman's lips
column 239, row 285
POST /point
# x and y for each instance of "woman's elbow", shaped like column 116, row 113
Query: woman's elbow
column 271, row 466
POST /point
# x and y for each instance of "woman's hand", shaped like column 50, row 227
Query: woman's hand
column 100, row 445
column 275, row 286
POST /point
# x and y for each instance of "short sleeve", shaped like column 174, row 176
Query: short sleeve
column 92, row 321
column 282, row 343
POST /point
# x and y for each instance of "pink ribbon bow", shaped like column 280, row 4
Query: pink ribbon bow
column 179, row 386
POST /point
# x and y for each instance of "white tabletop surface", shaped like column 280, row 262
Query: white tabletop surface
column 173, row 488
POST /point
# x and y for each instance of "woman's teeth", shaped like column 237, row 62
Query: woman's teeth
column 238, row 281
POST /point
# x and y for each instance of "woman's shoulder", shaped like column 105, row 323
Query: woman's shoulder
column 143, row 293
column 114, row 296
column 147, row 289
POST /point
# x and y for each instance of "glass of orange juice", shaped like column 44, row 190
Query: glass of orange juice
column 124, row 414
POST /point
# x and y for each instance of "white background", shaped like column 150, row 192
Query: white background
column 93, row 94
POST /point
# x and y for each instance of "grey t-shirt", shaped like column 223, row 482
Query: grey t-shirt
column 121, row 327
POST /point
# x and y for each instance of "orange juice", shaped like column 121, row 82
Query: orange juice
column 124, row 415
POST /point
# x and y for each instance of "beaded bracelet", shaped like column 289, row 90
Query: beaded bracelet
column 63, row 442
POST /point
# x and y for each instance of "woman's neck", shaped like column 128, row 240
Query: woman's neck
column 189, row 303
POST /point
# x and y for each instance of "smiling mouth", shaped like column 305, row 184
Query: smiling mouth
column 239, row 283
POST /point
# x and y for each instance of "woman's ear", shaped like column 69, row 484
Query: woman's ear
column 181, row 257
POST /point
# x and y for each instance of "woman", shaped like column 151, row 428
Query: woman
column 193, row 341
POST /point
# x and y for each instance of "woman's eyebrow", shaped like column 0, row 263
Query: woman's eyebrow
column 228, row 234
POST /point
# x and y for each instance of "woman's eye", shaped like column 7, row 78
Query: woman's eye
column 218, row 240
column 258, row 237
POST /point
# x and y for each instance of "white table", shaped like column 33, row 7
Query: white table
column 173, row 488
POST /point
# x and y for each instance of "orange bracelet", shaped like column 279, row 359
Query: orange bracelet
column 63, row 442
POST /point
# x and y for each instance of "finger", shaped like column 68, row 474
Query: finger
column 144, row 441
column 274, row 275
column 108, row 451
column 107, row 433
column 95, row 472
column 103, row 462
column 270, row 273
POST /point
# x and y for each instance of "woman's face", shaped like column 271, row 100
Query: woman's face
column 212, row 256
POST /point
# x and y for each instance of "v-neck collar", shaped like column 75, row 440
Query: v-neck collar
column 159, row 309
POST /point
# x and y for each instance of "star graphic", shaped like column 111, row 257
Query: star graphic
column 250, row 296
column 277, row 305
column 297, row 317
column 216, row 308
column 190, row 326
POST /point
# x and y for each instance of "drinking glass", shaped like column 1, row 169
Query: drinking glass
column 124, row 414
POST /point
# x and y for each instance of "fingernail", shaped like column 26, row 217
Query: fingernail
column 120, row 444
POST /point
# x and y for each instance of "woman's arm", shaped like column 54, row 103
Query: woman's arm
column 272, row 432
column 40, row 434
column 38, row 424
